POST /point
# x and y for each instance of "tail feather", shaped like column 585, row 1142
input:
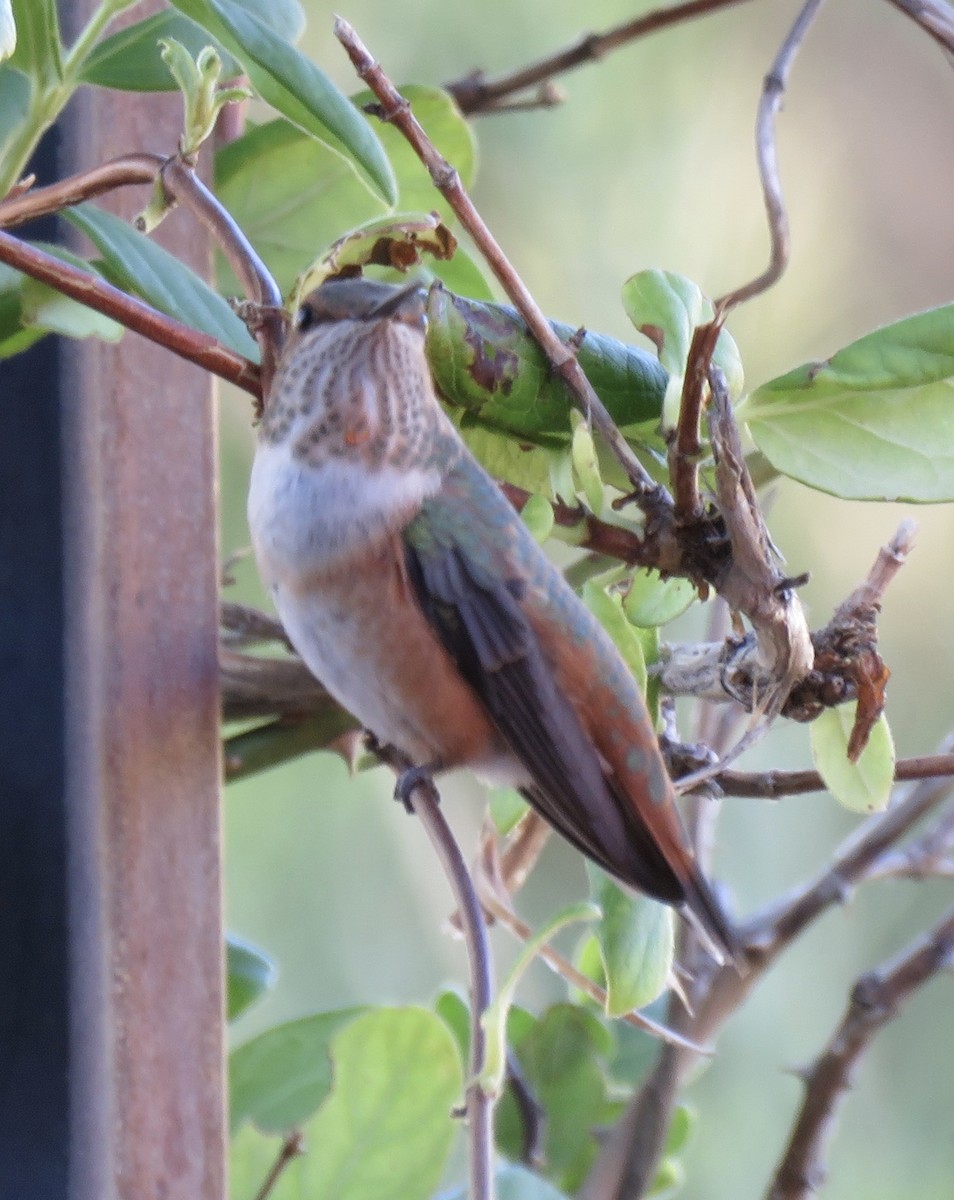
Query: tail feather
column 709, row 919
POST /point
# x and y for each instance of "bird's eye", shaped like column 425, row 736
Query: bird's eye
column 304, row 319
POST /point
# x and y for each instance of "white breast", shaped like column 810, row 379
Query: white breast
column 305, row 518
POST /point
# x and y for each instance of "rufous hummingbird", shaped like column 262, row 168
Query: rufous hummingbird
column 415, row 593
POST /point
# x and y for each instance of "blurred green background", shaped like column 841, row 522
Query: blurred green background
column 650, row 163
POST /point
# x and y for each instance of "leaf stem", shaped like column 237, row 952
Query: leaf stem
column 47, row 102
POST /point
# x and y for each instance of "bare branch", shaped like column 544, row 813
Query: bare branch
column 770, row 931
column 685, row 448
column 475, row 94
column 773, row 89
column 425, row 802
column 182, row 183
column 26, row 203
column 292, row 1147
column 934, row 16
column 562, row 359
column 88, row 289
column 95, row 293
column 773, row 785
column 876, row 999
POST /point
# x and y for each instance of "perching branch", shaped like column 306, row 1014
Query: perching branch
column 425, row 802
column 475, row 94
column 876, row 999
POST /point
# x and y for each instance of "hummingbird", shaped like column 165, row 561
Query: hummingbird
column 415, row 593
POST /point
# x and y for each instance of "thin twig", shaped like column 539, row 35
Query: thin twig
column 27, row 204
column 565, row 969
column 685, row 447
column 935, row 17
column 563, row 361
column 292, row 1147
column 476, row 94
column 95, row 293
column 768, row 932
column 773, row 89
column 593, row 534
column 182, row 183
column 426, row 805
column 773, row 785
column 876, row 999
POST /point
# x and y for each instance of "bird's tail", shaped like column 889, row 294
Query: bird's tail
column 709, row 920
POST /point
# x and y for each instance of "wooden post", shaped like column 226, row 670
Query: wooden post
column 142, row 751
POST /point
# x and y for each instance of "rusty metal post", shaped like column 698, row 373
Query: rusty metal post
column 143, row 776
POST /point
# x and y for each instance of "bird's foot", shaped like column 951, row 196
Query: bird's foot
column 411, row 778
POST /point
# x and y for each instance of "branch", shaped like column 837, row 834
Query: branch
column 396, row 110
column 773, row 785
column 475, row 94
column 935, row 17
column 876, row 999
column 182, row 184
column 102, row 297
column 292, row 1147
column 26, row 204
column 772, row 91
column 769, row 932
column 425, row 802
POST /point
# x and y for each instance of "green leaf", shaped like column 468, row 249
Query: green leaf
column 485, row 361
column 131, row 60
column 294, row 86
column 14, row 101
column 636, row 946
column 38, row 53
column 564, row 1058
column 495, row 1017
column 537, row 515
column 279, row 1078
column 680, row 1128
column 668, row 1179
column 142, row 267
column 29, row 309
column 652, row 601
column 8, row 31
column 607, row 607
column 667, row 308
column 293, row 196
column 505, row 458
column 864, row 786
column 454, row 1011
column 398, row 242
column 248, row 975
column 874, row 422
column 198, row 81
column 585, row 463
column 385, row 1128
column 507, row 809
column 51, row 311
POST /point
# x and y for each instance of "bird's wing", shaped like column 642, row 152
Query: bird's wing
column 481, row 620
